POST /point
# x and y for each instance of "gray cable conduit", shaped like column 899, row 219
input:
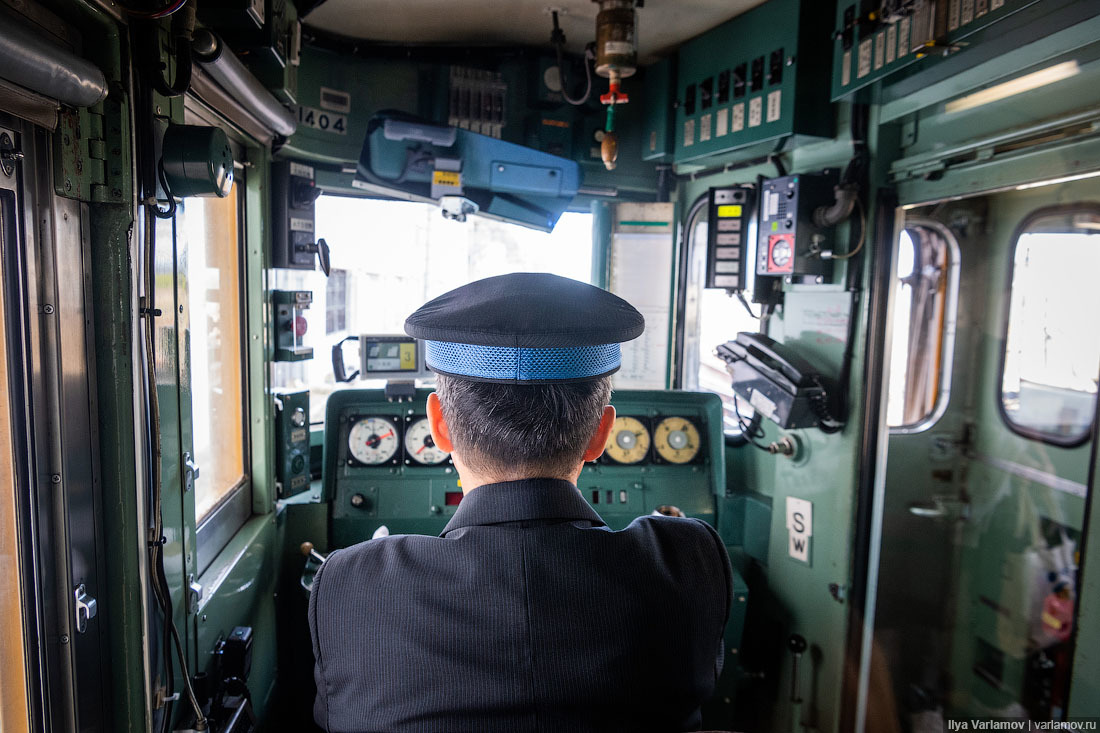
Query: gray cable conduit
column 45, row 68
column 217, row 60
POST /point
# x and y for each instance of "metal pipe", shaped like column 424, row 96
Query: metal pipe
column 48, row 69
column 217, row 60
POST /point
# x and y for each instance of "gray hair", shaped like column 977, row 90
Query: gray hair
column 522, row 430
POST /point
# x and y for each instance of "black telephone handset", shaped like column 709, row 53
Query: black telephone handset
column 778, row 383
column 790, row 365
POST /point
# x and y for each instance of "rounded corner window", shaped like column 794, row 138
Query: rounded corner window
column 926, row 293
column 1050, row 363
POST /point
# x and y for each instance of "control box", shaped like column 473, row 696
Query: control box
column 292, row 469
column 294, row 196
column 789, row 243
column 729, row 215
column 290, row 324
column 761, row 76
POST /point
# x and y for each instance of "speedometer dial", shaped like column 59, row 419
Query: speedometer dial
column 676, row 440
column 629, row 441
column 373, row 440
column 420, row 446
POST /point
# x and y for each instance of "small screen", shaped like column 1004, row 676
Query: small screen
column 391, row 356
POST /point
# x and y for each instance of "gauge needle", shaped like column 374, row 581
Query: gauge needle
column 378, row 439
column 421, row 448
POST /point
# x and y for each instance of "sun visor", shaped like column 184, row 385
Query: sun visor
column 465, row 172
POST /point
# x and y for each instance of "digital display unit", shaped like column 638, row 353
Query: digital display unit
column 384, row 356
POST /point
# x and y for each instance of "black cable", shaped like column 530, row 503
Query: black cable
column 171, row 210
column 748, row 308
column 752, row 429
column 557, row 38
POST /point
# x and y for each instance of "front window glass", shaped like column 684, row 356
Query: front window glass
column 717, row 316
column 1051, row 357
column 211, row 229
column 389, row 257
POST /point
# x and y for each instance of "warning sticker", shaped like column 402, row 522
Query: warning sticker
column 452, row 179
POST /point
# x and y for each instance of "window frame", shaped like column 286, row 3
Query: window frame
column 1082, row 207
column 214, row 531
column 686, row 323
column 950, row 322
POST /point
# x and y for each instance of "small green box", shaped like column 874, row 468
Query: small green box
column 292, row 469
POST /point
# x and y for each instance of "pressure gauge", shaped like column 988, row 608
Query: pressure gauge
column 373, row 440
column 629, row 441
column 676, row 440
column 420, row 446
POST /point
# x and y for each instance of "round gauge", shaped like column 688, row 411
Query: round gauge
column 676, row 440
column 372, row 440
column 420, row 446
column 629, row 441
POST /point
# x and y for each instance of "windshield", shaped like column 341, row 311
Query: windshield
column 389, row 257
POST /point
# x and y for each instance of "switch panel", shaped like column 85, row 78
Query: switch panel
column 760, row 76
column 729, row 216
column 789, row 244
column 292, row 469
column 871, row 44
column 293, row 208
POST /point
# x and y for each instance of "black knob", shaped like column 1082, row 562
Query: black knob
column 796, row 644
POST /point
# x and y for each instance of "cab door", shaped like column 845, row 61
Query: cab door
column 991, row 405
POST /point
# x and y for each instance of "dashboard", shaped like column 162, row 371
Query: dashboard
column 381, row 467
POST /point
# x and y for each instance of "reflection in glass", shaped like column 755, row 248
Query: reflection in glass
column 1052, row 353
column 211, row 230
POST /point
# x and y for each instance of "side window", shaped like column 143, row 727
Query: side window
column 1052, row 350
column 336, row 301
column 711, row 317
column 924, row 326
column 211, row 229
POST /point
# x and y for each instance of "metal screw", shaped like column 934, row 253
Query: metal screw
column 47, row 309
column 64, row 638
column 500, row 168
column 68, row 185
column 181, row 309
column 55, row 478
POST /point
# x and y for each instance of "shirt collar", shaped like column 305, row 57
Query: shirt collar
column 513, row 501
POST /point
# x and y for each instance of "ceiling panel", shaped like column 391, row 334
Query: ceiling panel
column 662, row 24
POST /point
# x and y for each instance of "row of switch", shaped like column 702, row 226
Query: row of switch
column 708, row 96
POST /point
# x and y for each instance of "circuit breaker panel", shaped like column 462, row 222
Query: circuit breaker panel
column 761, row 76
column 876, row 38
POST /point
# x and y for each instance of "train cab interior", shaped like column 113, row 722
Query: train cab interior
column 864, row 236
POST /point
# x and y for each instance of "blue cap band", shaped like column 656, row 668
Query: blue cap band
column 515, row 364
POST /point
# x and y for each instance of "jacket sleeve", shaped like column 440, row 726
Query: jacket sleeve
column 722, row 561
column 320, row 704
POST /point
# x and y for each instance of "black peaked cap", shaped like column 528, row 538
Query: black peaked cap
column 527, row 310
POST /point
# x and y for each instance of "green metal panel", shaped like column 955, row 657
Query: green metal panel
column 660, row 88
column 788, row 31
column 411, row 499
column 112, row 272
column 866, row 51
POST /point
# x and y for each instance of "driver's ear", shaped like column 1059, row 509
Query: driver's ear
column 441, row 434
column 603, row 432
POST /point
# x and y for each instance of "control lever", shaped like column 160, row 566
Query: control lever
column 797, row 645
column 321, row 249
column 309, row 552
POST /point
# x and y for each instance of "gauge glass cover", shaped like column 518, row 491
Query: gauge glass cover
column 676, row 440
column 420, row 446
column 372, row 440
column 629, row 441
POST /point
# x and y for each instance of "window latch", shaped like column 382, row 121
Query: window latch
column 85, row 608
column 190, row 472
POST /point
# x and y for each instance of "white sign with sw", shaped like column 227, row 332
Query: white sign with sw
column 800, row 527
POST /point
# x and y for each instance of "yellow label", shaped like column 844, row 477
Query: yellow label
column 408, row 352
column 728, row 210
column 446, row 178
column 1050, row 621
